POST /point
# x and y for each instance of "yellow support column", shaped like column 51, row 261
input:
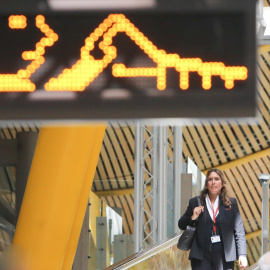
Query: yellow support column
column 82, row 204
column 52, row 194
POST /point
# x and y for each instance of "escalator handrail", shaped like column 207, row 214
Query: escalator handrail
column 254, row 267
column 151, row 251
column 145, row 254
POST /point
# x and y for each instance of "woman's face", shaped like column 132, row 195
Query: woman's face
column 214, row 183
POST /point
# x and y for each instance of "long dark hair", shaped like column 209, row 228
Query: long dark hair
column 224, row 191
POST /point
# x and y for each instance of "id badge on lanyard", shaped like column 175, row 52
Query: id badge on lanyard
column 215, row 238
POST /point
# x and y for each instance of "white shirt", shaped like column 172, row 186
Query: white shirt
column 209, row 206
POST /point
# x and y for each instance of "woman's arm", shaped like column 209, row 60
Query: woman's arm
column 240, row 236
column 186, row 220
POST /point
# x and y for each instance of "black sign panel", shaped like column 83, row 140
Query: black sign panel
column 189, row 59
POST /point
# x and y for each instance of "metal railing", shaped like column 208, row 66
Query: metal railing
column 166, row 255
column 149, row 255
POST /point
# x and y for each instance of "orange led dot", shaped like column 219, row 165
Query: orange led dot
column 24, row 73
column 17, row 21
column 243, row 69
column 44, row 28
column 103, row 27
column 50, row 33
column 106, row 36
column 24, row 56
column 31, row 87
column 40, row 50
column 128, row 32
column 40, row 20
column 34, row 55
column 102, row 45
column 206, row 86
column 142, row 46
column 107, row 40
column 79, row 88
column 99, row 68
column 108, row 22
column 50, row 41
column 127, row 21
column 84, row 49
column 89, row 46
column 40, row 60
column 184, row 82
column 85, row 55
column 98, row 32
column 39, row 45
column 140, row 36
column 54, row 37
column 105, row 64
column 31, row 68
column 120, row 16
column 112, row 17
column 131, row 26
column 112, row 55
column 43, row 41
column 120, row 27
column 161, row 86
column 112, row 31
column 229, row 84
column 135, row 30
column 94, row 36
column 144, row 39
column 21, row 73
column 28, row 55
column 114, row 27
column 107, row 58
column 89, row 40
column 133, row 36
column 35, row 64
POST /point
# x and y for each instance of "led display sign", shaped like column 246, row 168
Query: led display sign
column 164, row 62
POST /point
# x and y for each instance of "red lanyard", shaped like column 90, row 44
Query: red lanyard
column 214, row 219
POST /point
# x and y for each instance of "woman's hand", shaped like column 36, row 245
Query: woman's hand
column 196, row 212
column 242, row 260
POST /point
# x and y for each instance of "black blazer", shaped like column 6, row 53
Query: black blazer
column 231, row 225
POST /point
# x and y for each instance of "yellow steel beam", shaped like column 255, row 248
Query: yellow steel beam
column 226, row 166
column 118, row 192
column 253, row 234
column 53, row 194
column 243, row 160
column 82, row 204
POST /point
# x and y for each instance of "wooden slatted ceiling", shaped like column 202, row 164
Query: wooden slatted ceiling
column 115, row 167
column 10, row 131
column 243, row 184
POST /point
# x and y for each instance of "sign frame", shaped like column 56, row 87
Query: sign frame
column 56, row 105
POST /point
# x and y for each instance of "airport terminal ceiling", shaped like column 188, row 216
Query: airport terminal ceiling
column 240, row 147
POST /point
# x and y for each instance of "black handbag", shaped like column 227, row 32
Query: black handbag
column 186, row 238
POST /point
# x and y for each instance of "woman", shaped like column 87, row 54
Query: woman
column 220, row 235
